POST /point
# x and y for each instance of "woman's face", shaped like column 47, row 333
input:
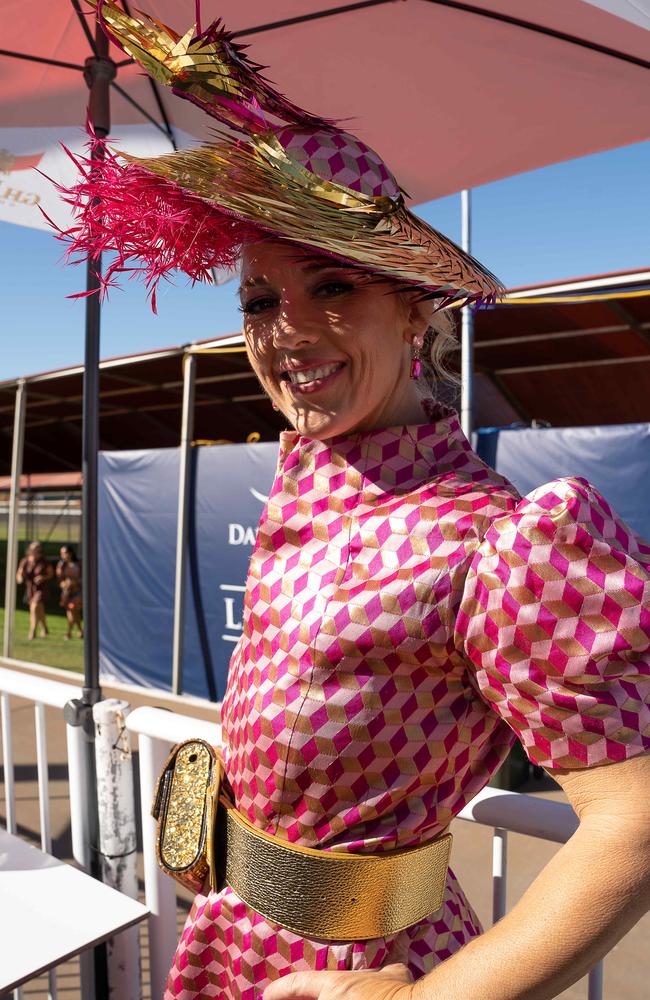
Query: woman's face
column 331, row 348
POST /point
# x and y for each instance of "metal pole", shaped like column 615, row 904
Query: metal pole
column 98, row 72
column 467, row 329
column 499, row 870
column 596, row 982
column 183, row 521
column 12, row 526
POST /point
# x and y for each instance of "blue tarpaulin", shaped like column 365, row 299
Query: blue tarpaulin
column 137, row 530
column 615, row 458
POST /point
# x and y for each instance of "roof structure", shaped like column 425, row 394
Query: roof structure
column 570, row 353
column 541, row 82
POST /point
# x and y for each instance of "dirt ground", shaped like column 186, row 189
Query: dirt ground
column 627, row 968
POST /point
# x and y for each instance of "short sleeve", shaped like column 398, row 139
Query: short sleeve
column 554, row 624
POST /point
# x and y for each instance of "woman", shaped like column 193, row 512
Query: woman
column 407, row 614
column 68, row 573
column 35, row 572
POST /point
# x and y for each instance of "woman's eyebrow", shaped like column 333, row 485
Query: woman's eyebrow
column 309, row 267
column 324, row 265
column 253, row 283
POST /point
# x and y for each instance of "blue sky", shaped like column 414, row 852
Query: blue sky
column 587, row 216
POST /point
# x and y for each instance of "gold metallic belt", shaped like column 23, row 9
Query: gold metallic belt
column 319, row 894
column 330, row 894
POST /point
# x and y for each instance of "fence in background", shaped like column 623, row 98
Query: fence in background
column 157, row 730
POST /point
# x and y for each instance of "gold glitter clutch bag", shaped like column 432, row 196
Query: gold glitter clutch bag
column 184, row 808
column 334, row 895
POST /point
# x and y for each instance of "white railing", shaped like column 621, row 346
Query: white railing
column 157, row 730
column 52, row 694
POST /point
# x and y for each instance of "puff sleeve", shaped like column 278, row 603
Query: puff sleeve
column 554, row 624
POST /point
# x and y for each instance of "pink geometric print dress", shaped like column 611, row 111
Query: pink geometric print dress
column 406, row 615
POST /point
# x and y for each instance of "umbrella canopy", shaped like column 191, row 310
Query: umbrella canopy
column 451, row 94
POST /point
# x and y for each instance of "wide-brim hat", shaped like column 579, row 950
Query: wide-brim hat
column 272, row 170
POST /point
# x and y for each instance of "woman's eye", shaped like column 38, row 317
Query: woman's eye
column 336, row 287
column 258, row 305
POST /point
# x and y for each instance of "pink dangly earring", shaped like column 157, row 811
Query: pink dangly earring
column 416, row 361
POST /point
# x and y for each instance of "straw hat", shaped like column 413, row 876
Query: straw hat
column 273, row 169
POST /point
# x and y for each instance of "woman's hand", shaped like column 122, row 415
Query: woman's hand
column 394, row 982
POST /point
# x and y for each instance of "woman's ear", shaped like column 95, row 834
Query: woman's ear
column 418, row 318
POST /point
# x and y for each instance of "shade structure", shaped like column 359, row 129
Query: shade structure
column 452, row 94
column 575, row 353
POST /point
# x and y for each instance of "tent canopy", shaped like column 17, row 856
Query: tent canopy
column 571, row 354
column 452, row 94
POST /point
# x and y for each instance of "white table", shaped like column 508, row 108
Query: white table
column 50, row 911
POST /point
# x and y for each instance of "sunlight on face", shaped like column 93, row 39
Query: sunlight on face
column 330, row 347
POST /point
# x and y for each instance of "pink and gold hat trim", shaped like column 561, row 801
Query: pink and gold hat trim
column 273, row 169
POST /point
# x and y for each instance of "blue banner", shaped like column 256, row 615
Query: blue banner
column 615, row 458
column 137, row 531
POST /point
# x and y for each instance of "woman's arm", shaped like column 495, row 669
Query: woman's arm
column 587, row 897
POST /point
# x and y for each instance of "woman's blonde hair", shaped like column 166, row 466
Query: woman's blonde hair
column 440, row 344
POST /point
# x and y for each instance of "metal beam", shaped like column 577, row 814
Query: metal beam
column 467, row 330
column 40, row 59
column 642, row 329
column 143, row 387
column 532, row 338
column 508, row 394
column 12, row 526
column 31, row 446
column 316, row 15
column 90, row 38
column 138, row 107
column 156, row 96
column 183, row 520
column 567, row 365
column 540, row 29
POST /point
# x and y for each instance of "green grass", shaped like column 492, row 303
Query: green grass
column 61, row 533
column 53, row 650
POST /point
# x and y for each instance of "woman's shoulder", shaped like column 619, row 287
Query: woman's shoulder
column 564, row 509
column 474, row 492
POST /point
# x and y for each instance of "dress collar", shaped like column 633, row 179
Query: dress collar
column 400, row 457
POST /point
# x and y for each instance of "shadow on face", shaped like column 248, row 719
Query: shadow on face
column 329, row 343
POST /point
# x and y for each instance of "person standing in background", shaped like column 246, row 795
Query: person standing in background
column 35, row 572
column 68, row 574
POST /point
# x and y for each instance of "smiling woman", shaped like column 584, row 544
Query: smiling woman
column 330, row 345
column 407, row 614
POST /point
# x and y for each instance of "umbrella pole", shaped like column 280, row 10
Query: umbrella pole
column 98, row 73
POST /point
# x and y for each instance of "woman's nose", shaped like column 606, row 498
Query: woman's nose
column 294, row 328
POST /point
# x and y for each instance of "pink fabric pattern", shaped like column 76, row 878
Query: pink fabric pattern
column 556, row 619
column 396, row 630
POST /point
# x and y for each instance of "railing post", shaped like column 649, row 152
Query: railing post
column 160, row 892
column 12, row 526
column 183, row 519
column 117, row 837
column 79, row 825
column 43, row 777
column 595, row 987
column 8, row 761
column 499, row 869
column 467, row 330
